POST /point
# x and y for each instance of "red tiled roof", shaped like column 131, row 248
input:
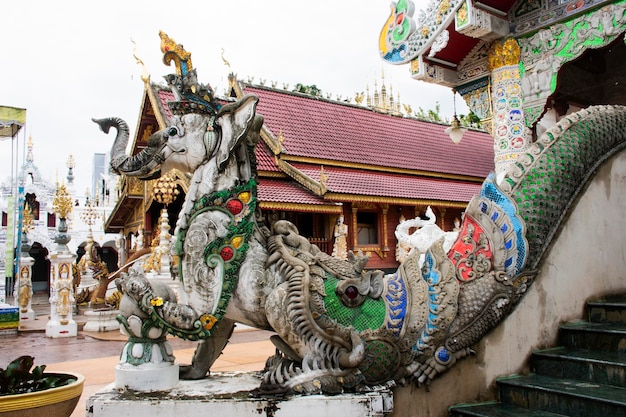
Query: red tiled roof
column 381, row 184
column 164, row 97
column 286, row 192
column 265, row 158
column 324, row 129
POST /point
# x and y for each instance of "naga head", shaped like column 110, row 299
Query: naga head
column 190, row 140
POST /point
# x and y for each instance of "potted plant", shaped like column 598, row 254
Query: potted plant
column 27, row 391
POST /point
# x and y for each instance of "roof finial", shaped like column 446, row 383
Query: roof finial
column 145, row 75
column 226, row 62
column 175, row 52
column 29, row 155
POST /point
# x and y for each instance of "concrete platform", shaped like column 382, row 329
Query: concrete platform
column 228, row 394
column 95, row 354
column 234, row 374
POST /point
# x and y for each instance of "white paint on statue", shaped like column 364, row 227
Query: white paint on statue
column 427, row 232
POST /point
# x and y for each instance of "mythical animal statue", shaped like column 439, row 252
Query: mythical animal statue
column 340, row 327
column 427, row 232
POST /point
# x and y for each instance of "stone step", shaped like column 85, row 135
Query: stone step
column 495, row 409
column 609, row 309
column 585, row 365
column 608, row 337
column 562, row 396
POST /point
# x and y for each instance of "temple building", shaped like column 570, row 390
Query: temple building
column 328, row 166
column 521, row 66
column 535, row 72
column 85, row 221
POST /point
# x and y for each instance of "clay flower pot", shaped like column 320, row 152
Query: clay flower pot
column 52, row 402
column 29, row 391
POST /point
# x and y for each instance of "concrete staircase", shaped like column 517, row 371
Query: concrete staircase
column 585, row 376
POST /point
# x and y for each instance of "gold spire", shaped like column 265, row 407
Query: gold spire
column 226, row 62
column 29, row 154
column 27, row 219
column 145, row 75
column 175, row 52
column 383, row 100
column 62, row 202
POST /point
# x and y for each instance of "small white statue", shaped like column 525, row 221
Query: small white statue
column 421, row 239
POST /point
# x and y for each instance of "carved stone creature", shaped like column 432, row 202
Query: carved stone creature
column 338, row 326
column 427, row 232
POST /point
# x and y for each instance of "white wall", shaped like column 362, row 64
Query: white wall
column 586, row 261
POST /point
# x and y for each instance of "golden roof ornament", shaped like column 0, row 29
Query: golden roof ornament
column 191, row 96
column 145, row 75
column 27, row 219
column 62, row 202
column 29, row 154
column 230, row 71
column 175, row 52
column 165, row 190
column 504, row 54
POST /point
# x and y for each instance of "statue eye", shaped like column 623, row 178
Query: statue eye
column 172, row 131
column 352, row 292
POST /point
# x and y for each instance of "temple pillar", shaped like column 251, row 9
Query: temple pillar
column 511, row 137
column 61, row 323
column 24, row 287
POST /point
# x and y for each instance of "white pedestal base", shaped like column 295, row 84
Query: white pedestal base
column 146, row 378
column 27, row 316
column 101, row 320
column 228, row 395
column 56, row 330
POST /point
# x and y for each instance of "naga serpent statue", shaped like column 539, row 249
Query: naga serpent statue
column 340, row 327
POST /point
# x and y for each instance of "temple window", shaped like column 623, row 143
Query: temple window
column 367, row 228
column 52, row 220
column 31, row 199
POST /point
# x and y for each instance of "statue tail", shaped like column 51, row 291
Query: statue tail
column 505, row 233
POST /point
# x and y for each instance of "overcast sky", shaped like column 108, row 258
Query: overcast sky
column 69, row 61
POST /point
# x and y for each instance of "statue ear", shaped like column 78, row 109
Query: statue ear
column 235, row 120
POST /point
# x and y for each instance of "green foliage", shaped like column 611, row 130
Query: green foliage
column 433, row 115
column 470, row 120
column 308, row 89
column 430, row 115
column 18, row 378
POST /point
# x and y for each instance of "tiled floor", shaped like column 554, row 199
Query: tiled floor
column 95, row 354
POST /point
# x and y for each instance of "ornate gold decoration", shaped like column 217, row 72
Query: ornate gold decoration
column 462, row 14
column 316, row 187
column 62, row 202
column 305, row 208
column 385, row 210
column 165, row 190
column 442, row 11
column 145, row 75
column 359, row 198
column 174, row 52
column 89, row 215
column 365, row 206
column 323, row 179
column 147, row 132
column 135, row 186
column 504, row 54
column 27, row 219
column 226, row 62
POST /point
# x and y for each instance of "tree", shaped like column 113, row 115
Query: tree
column 308, row 89
column 430, row 115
